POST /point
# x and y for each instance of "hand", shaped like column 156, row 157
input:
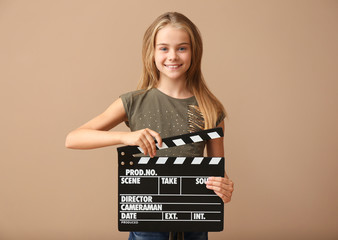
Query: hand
column 144, row 139
column 222, row 186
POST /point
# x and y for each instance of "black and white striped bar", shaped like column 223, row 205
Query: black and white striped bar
column 180, row 140
column 169, row 193
column 179, row 160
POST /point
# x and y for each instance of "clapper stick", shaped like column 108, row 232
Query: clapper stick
column 168, row 193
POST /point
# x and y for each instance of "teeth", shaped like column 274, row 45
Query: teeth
column 173, row 66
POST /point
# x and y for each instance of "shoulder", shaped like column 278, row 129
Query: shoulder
column 136, row 98
column 133, row 94
column 141, row 93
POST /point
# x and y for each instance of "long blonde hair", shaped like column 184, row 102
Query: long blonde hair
column 210, row 107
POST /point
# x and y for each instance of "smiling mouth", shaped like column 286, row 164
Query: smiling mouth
column 173, row 66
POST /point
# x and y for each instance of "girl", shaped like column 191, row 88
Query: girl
column 172, row 99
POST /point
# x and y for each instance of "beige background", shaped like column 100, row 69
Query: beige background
column 273, row 64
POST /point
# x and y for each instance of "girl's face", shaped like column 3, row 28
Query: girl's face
column 172, row 53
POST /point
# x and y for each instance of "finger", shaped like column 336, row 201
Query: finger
column 223, row 197
column 152, row 146
column 143, row 147
column 157, row 136
column 219, row 179
column 220, row 191
column 221, row 188
column 147, row 146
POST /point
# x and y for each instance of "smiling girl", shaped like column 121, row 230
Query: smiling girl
column 172, row 99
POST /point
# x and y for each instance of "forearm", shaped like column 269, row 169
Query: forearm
column 90, row 138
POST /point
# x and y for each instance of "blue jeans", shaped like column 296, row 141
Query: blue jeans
column 165, row 236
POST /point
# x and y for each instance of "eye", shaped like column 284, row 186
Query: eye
column 182, row 49
column 163, row 49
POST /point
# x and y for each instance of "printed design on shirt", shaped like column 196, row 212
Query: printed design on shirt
column 195, row 119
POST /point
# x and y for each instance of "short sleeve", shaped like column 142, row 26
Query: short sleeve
column 127, row 102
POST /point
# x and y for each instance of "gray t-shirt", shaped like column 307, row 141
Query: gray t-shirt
column 166, row 115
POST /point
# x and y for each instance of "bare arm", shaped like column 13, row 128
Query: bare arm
column 95, row 134
column 215, row 147
column 223, row 187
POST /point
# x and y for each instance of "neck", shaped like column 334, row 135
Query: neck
column 175, row 89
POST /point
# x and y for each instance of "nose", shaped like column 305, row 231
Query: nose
column 172, row 55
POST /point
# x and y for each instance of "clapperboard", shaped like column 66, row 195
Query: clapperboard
column 169, row 193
